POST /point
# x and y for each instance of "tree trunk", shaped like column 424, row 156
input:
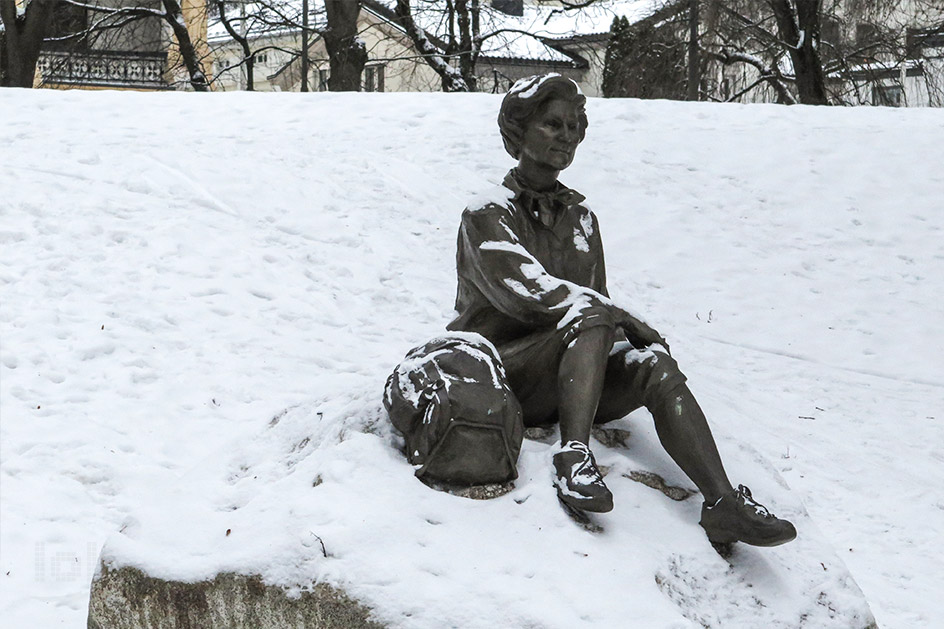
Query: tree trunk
column 799, row 31
column 248, row 59
column 23, row 40
column 452, row 80
column 174, row 17
column 4, row 66
column 476, row 10
column 346, row 53
column 694, row 67
column 466, row 59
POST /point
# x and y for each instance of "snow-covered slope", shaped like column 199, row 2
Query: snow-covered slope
column 176, row 270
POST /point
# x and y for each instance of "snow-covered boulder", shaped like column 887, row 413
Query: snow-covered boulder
column 127, row 598
column 323, row 497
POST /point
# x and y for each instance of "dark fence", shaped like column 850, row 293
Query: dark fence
column 102, row 68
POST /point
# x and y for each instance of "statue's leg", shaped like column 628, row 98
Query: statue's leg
column 685, row 435
column 580, row 380
column 652, row 378
column 559, row 374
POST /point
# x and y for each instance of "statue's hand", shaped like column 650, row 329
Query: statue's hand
column 641, row 334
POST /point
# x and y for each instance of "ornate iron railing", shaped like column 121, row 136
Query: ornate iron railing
column 104, row 68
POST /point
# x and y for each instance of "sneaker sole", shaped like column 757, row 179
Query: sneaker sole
column 590, row 504
column 761, row 543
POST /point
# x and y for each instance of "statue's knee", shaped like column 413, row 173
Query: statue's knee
column 664, row 364
column 646, row 358
column 663, row 379
column 652, row 372
column 590, row 327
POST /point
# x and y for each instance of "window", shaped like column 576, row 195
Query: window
column 511, row 7
column 374, row 79
column 221, row 66
column 262, row 58
column 888, row 95
column 918, row 42
column 867, row 34
column 323, row 80
column 830, row 32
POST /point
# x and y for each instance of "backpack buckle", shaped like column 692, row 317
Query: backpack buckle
column 430, row 391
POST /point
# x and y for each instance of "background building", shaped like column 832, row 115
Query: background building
column 83, row 51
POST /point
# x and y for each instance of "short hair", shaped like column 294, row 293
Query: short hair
column 527, row 97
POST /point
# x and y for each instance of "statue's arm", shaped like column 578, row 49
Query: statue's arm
column 516, row 284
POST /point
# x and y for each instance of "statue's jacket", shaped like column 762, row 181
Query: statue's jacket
column 529, row 262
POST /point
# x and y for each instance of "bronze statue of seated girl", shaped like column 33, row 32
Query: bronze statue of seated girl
column 532, row 280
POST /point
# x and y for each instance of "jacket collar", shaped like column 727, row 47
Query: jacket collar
column 561, row 193
column 531, row 200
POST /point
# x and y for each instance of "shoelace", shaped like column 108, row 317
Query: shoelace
column 744, row 494
column 586, row 467
column 579, row 446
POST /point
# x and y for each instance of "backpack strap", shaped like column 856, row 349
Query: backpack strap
column 435, row 387
column 433, row 404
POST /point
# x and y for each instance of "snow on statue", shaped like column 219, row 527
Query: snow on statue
column 532, row 282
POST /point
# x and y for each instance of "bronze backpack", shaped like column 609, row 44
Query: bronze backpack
column 451, row 400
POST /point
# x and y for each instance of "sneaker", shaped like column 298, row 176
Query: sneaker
column 737, row 517
column 578, row 481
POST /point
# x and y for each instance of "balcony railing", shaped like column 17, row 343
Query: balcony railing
column 104, row 68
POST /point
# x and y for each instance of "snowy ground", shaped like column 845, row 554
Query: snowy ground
column 176, row 270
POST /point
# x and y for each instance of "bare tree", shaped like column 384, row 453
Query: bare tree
column 258, row 28
column 346, row 52
column 452, row 79
column 240, row 36
column 798, row 23
column 775, row 45
column 777, row 39
column 453, row 36
column 878, row 47
column 449, row 36
column 263, row 26
column 172, row 14
column 21, row 40
column 32, row 31
column 267, row 25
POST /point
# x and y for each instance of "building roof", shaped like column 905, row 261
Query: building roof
column 539, row 34
column 525, row 36
column 263, row 21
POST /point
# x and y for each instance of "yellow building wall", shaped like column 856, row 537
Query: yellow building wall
column 195, row 17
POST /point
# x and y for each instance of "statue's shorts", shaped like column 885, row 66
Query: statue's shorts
column 634, row 377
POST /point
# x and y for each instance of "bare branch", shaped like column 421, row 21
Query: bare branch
column 452, row 80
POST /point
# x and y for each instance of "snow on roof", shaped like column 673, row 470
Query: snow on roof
column 261, row 20
column 875, row 69
column 506, row 36
column 549, row 20
column 521, row 37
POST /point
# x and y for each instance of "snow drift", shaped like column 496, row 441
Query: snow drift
column 178, row 270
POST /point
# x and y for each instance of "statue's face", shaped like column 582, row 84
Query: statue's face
column 551, row 136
